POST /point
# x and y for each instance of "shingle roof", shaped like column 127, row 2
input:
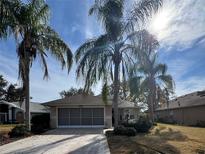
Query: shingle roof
column 34, row 107
column 189, row 100
column 88, row 100
column 9, row 104
column 123, row 103
column 78, row 100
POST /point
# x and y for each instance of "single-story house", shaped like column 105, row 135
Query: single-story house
column 13, row 112
column 86, row 111
column 185, row 110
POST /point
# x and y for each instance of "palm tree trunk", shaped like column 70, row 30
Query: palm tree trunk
column 116, row 94
column 151, row 100
column 27, row 92
column 150, row 104
column 154, row 99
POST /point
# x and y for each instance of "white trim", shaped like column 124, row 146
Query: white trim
column 80, row 126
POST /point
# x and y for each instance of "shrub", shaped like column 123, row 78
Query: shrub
column 130, row 131
column 128, row 124
column 143, row 125
column 19, row 131
column 200, row 124
column 40, row 123
column 121, row 130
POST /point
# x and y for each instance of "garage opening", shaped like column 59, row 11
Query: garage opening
column 82, row 117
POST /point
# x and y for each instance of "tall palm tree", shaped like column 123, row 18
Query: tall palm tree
column 154, row 76
column 36, row 40
column 110, row 55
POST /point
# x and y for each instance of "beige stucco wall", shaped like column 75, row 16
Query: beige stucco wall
column 107, row 115
column 184, row 116
column 53, row 117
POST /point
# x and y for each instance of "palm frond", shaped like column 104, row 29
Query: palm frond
column 51, row 41
column 8, row 18
column 167, row 80
column 94, row 58
column 45, row 67
column 160, row 69
column 83, row 48
column 109, row 13
column 142, row 10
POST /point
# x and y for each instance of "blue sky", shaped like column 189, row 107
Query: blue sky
column 179, row 26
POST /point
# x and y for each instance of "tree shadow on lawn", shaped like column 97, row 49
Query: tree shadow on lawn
column 160, row 140
column 155, row 142
column 171, row 135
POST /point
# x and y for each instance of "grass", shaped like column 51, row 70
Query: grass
column 5, row 129
column 163, row 138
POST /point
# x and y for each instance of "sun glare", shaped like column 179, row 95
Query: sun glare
column 160, row 23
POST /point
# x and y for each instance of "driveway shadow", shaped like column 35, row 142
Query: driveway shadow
column 44, row 147
column 62, row 140
column 74, row 131
column 96, row 146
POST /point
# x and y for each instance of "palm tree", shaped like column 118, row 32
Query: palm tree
column 154, row 76
column 110, row 55
column 37, row 38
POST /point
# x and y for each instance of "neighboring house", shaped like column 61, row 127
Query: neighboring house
column 84, row 111
column 185, row 110
column 13, row 112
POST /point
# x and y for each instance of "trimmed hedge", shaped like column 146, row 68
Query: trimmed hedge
column 19, row 131
column 142, row 125
column 128, row 131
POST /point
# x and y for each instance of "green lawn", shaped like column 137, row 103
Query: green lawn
column 171, row 139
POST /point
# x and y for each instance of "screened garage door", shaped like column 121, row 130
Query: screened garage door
column 81, row 117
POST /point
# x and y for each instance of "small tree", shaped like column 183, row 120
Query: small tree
column 10, row 92
column 74, row 91
column 3, row 85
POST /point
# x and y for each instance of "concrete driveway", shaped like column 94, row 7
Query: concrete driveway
column 61, row 141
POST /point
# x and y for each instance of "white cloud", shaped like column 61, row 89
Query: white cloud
column 179, row 22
